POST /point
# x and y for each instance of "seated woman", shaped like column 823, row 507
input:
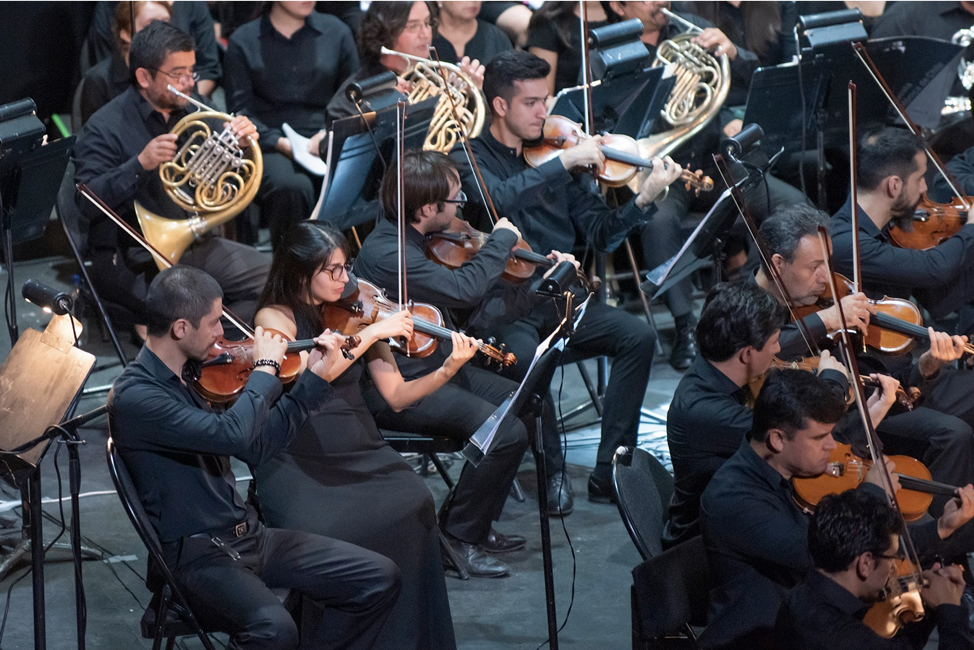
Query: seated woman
column 109, row 78
column 284, row 67
column 463, row 34
column 339, row 477
column 405, row 27
column 554, row 35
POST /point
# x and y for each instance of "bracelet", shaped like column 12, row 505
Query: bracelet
column 269, row 362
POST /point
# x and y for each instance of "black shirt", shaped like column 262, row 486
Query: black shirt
column 106, row 160
column 272, row 79
column 103, row 82
column 961, row 168
column 544, row 35
column 177, row 449
column 191, row 17
column 487, row 42
column 821, row 614
column 548, row 204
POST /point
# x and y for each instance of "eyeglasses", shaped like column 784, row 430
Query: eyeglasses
column 886, row 557
column 178, row 76
column 335, row 270
column 460, row 201
column 414, row 26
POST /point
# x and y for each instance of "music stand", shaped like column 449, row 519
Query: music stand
column 42, row 376
column 628, row 105
column 352, row 186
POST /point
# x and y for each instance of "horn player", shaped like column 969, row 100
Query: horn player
column 118, row 155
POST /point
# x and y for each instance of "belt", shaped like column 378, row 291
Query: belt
column 239, row 530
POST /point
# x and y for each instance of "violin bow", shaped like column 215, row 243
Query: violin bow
column 854, row 191
column 401, row 208
column 765, row 254
column 872, row 438
column 863, row 55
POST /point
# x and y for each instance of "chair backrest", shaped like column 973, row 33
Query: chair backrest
column 74, row 222
column 671, row 589
column 640, row 504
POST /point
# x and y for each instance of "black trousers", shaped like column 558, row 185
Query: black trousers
column 604, row 330
column 123, row 276
column 457, row 410
column 234, row 596
column 287, row 193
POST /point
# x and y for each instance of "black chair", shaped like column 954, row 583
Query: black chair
column 168, row 615
column 634, row 477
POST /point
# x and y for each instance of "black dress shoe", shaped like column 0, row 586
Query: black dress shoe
column 561, row 499
column 497, row 543
column 600, row 491
column 477, row 562
column 684, row 348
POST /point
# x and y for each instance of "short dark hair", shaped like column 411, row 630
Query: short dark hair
column 506, row 68
column 785, row 228
column 789, row 399
column 736, row 315
column 303, row 251
column 381, row 26
column 426, row 179
column 884, row 153
column 849, row 524
column 152, row 45
column 179, row 292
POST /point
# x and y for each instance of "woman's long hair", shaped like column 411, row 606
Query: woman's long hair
column 762, row 23
column 562, row 16
column 303, row 252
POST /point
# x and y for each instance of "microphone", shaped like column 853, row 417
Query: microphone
column 356, row 92
column 741, row 143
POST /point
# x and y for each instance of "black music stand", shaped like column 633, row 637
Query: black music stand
column 43, row 376
column 358, row 162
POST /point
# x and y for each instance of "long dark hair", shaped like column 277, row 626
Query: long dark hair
column 305, row 249
column 562, row 16
column 762, row 23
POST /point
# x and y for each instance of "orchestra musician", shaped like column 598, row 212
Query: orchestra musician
column 431, row 201
column 552, row 205
column 460, row 33
column 285, row 67
column 757, row 535
column 944, row 420
column 853, row 539
column 338, row 477
column 117, row 156
column 178, row 451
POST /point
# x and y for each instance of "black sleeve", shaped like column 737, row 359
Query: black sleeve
column 240, row 89
column 200, row 24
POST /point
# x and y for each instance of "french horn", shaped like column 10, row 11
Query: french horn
column 426, row 81
column 212, row 177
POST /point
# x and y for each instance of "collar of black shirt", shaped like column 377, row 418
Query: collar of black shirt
column 865, row 223
column 146, row 112
column 488, row 139
column 836, row 595
column 762, row 468
column 720, row 382
column 267, row 28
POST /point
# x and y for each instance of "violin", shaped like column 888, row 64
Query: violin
column 933, row 223
column 460, row 242
column 622, row 159
column 370, row 304
column 905, row 397
column 229, row 364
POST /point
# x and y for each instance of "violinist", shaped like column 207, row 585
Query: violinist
column 708, row 417
column 943, row 424
column 853, row 539
column 431, row 200
column 757, row 536
column 891, row 184
column 552, row 206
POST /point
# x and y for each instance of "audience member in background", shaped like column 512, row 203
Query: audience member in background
column 461, row 34
column 284, row 67
column 109, row 78
column 555, row 35
column 191, row 16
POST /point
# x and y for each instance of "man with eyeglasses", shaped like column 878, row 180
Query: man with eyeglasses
column 118, row 155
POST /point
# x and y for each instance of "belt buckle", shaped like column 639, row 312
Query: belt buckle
column 240, row 529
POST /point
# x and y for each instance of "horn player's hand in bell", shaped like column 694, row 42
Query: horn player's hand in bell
column 160, row 149
column 717, row 42
column 473, row 69
column 664, row 173
column 244, row 129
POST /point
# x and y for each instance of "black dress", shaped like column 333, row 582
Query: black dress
column 340, row 479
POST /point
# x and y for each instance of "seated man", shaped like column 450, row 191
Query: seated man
column 754, row 531
column 118, row 155
column 178, row 453
column 552, row 206
column 943, row 422
column 853, row 539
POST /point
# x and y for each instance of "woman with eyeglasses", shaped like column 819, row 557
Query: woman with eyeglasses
column 338, row 477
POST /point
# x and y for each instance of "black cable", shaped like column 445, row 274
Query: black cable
column 801, row 93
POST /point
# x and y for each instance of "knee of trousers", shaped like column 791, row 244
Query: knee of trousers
column 384, row 586
column 956, row 435
column 512, row 438
column 639, row 339
column 275, row 624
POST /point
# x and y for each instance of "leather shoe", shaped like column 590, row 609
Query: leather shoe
column 561, row 499
column 476, row 561
column 600, row 491
column 684, row 349
column 498, row 543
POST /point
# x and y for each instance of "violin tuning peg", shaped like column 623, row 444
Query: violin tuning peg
column 492, row 341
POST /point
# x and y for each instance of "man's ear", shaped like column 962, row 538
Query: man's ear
column 894, row 185
column 775, row 440
column 427, row 211
column 864, row 565
column 143, row 77
column 180, row 329
column 500, row 106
